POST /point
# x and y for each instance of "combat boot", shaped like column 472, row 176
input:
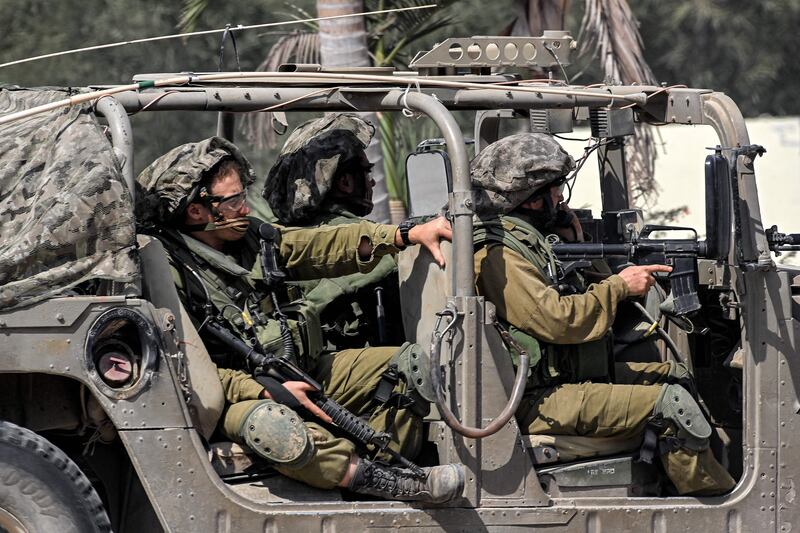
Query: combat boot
column 440, row 484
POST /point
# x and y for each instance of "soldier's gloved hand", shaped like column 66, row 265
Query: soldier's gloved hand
column 429, row 235
column 639, row 278
column 300, row 390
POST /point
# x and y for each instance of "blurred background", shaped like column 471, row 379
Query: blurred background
column 743, row 48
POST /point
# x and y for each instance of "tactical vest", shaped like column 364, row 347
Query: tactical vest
column 346, row 305
column 235, row 294
column 550, row 364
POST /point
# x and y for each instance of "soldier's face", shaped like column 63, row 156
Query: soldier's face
column 232, row 204
column 556, row 193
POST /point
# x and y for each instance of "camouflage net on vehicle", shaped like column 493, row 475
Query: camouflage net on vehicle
column 66, row 215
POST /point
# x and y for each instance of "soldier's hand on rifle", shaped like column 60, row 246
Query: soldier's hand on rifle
column 640, row 277
column 429, row 235
column 300, row 390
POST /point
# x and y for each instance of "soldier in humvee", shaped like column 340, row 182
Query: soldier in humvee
column 517, row 184
column 322, row 178
column 193, row 200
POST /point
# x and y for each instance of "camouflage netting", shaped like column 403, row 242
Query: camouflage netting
column 66, row 214
column 303, row 174
column 508, row 171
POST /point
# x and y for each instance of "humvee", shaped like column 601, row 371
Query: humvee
column 109, row 399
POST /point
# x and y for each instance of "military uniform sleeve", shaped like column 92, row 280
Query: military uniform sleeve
column 524, row 299
column 332, row 251
column 238, row 385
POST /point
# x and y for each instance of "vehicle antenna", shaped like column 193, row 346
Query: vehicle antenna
column 208, row 32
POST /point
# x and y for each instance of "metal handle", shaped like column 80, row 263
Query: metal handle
column 438, row 382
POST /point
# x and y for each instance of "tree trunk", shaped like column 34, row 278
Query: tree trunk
column 343, row 43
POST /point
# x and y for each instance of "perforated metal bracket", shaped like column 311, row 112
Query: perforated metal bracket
column 547, row 51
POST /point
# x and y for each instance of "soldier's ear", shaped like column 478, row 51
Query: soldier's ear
column 195, row 213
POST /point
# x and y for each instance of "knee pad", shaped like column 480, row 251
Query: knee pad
column 677, row 405
column 276, row 433
column 414, row 364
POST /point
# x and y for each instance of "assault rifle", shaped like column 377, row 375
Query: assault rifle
column 680, row 254
column 282, row 370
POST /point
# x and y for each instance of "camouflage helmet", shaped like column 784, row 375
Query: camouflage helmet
column 165, row 187
column 508, row 171
column 303, row 174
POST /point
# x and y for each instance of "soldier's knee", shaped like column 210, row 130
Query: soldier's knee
column 277, row 434
column 414, row 365
column 676, row 405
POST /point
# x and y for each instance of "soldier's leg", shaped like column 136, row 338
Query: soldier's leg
column 351, row 377
column 591, row 409
column 322, row 463
column 604, row 410
column 326, row 461
column 653, row 374
column 685, row 451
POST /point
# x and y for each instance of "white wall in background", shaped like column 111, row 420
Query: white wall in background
column 680, row 173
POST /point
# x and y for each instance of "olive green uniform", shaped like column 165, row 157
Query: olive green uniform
column 525, row 300
column 349, row 377
column 348, row 304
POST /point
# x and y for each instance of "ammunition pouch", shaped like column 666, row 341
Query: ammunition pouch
column 677, row 405
column 277, row 434
column 304, row 326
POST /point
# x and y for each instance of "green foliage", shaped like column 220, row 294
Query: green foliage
column 391, row 35
column 746, row 49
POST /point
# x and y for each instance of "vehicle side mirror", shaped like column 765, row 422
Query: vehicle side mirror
column 428, row 179
column 718, row 206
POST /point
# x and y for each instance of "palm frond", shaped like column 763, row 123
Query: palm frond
column 190, row 14
column 610, row 33
column 298, row 13
column 393, row 33
column 297, row 47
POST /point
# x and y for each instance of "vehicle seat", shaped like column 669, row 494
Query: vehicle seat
column 207, row 399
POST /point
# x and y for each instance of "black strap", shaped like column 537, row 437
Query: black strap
column 384, row 392
column 389, row 380
column 278, row 392
column 652, row 432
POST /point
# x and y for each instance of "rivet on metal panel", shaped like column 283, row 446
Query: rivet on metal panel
column 60, row 317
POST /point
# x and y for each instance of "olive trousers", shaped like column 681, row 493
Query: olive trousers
column 349, row 377
column 621, row 409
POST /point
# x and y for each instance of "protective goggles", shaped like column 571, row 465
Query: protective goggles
column 231, row 204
